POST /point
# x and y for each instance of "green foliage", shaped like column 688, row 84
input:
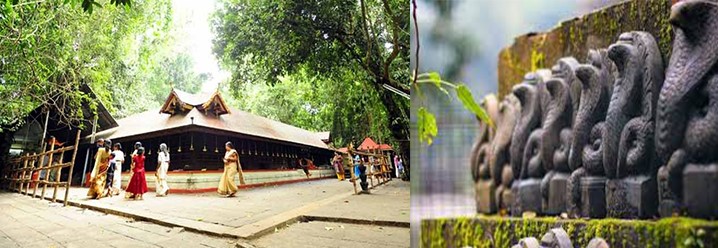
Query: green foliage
column 336, row 45
column 497, row 231
column 427, row 126
column 427, row 122
column 314, row 103
column 122, row 50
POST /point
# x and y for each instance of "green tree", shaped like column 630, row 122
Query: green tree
column 259, row 41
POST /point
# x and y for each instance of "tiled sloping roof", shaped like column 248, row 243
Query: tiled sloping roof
column 192, row 99
column 385, row 147
column 370, row 144
column 323, row 135
column 238, row 122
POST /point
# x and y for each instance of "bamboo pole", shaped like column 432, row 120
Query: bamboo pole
column 43, row 168
column 74, row 155
column 351, row 171
column 57, row 177
column 31, row 169
column 22, row 176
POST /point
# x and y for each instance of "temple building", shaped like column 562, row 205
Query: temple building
column 195, row 127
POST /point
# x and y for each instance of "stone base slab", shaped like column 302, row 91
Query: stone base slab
column 485, row 196
column 700, row 190
column 632, row 197
column 593, row 197
column 529, row 196
column 557, row 194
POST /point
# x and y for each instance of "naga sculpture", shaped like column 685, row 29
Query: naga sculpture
column 499, row 160
column 564, row 94
column 587, row 182
column 687, row 121
column 527, row 188
column 479, row 162
column 531, row 94
column 628, row 149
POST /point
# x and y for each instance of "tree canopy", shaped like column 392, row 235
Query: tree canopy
column 345, row 50
column 121, row 49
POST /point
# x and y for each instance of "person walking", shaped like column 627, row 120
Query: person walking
column 338, row 163
column 163, row 163
column 304, row 165
column 110, row 176
column 117, row 175
column 357, row 160
column 132, row 161
column 99, row 170
column 138, row 184
column 396, row 165
column 227, row 187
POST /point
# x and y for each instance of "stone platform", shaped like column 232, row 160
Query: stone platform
column 495, row 231
column 207, row 181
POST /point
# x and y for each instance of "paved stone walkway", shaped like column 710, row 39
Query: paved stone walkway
column 256, row 214
column 331, row 234
column 27, row 222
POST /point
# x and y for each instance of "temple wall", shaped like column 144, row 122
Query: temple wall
column 576, row 36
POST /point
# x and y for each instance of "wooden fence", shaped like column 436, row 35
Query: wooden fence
column 381, row 172
column 18, row 174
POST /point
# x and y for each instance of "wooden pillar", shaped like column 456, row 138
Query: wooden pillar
column 44, row 168
column 72, row 163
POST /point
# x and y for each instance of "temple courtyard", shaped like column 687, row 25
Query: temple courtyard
column 321, row 213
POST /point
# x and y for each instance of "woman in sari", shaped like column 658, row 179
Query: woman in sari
column 138, row 183
column 227, row 187
column 119, row 159
column 98, row 176
column 132, row 162
column 338, row 162
column 163, row 163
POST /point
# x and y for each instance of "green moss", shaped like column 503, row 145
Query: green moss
column 493, row 231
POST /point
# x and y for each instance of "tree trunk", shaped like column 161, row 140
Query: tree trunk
column 397, row 109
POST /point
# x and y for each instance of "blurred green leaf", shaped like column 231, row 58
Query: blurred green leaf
column 427, row 126
column 435, row 78
column 467, row 99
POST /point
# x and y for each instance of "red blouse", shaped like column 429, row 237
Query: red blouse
column 139, row 163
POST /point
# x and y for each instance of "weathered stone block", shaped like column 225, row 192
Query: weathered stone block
column 529, row 196
column 700, row 190
column 485, row 200
column 593, row 197
column 574, row 37
column 508, row 199
column 557, row 194
column 632, row 197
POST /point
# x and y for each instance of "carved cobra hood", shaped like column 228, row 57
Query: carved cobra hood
column 529, row 94
column 564, row 91
column 480, row 151
column 628, row 137
column 596, row 79
column 688, row 104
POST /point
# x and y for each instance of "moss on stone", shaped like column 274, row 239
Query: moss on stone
column 571, row 38
column 494, row 231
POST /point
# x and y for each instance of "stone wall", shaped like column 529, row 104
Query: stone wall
column 576, row 36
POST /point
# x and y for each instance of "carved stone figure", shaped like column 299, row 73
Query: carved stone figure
column 687, row 121
column 628, row 148
column 499, row 160
column 564, row 94
column 479, row 162
column 587, row 182
column 556, row 238
column 528, row 170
